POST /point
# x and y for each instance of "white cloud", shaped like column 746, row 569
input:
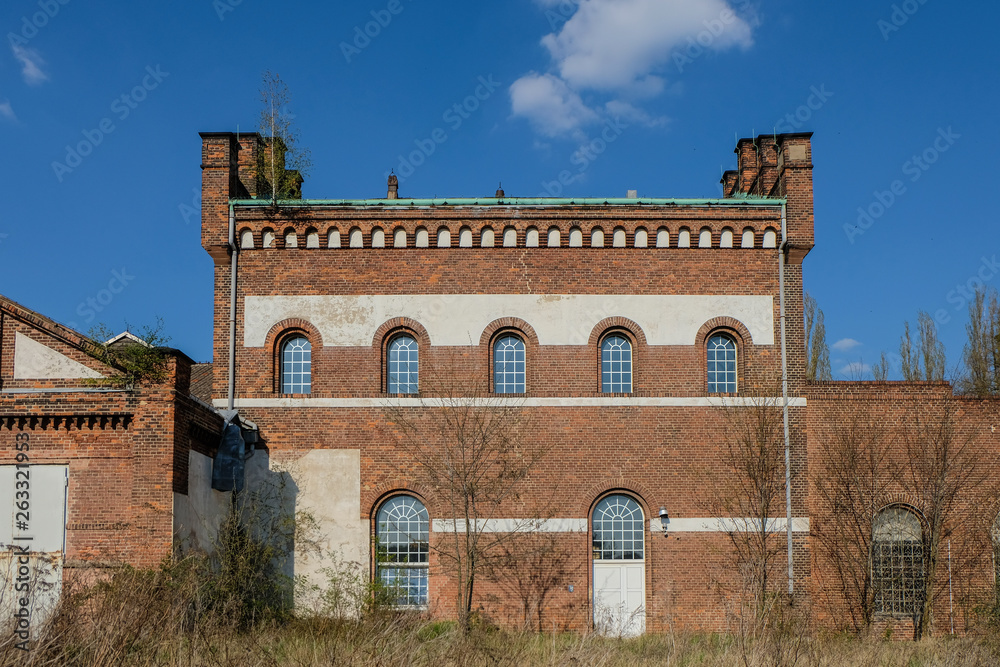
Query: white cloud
column 549, row 104
column 624, row 49
column 6, row 111
column 31, row 64
column 626, row 111
column 845, row 344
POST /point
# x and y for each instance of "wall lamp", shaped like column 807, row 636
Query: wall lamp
column 664, row 519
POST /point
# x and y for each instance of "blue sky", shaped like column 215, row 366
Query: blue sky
column 673, row 82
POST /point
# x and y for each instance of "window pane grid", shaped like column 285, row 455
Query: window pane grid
column 508, row 366
column 721, row 365
column 897, row 571
column 619, row 529
column 296, row 366
column 616, row 365
column 402, row 533
column 403, row 366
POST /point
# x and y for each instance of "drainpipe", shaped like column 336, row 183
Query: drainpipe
column 784, row 395
column 234, row 255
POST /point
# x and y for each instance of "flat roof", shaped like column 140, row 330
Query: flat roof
column 512, row 201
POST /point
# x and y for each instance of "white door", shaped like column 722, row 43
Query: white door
column 619, row 598
column 619, row 567
column 32, row 539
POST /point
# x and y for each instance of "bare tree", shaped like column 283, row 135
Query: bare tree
column 750, row 492
column 469, row 451
column 946, row 473
column 880, row 370
column 853, row 474
column 817, row 351
column 981, row 356
column 923, row 359
column 282, row 163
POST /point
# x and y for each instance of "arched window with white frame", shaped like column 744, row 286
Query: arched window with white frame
column 402, row 365
column 616, row 364
column 296, row 365
column 722, row 364
column 509, row 365
column 402, row 550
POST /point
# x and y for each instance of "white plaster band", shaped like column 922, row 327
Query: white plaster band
column 515, row 402
column 460, row 319
column 691, row 525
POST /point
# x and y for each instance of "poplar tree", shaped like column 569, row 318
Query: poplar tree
column 817, row 351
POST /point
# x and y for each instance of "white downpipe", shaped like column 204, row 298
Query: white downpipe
column 234, row 255
column 784, row 397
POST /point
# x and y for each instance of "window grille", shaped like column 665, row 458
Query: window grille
column 897, row 562
column 721, row 365
column 296, row 366
column 508, row 365
column 402, row 548
column 616, row 365
column 403, row 366
column 619, row 529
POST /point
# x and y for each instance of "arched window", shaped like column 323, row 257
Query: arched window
column 616, row 365
column 721, row 364
column 508, row 365
column 897, row 562
column 401, row 375
column 619, row 529
column 402, row 535
column 296, row 366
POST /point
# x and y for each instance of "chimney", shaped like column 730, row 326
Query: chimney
column 393, row 187
column 500, row 194
column 632, row 194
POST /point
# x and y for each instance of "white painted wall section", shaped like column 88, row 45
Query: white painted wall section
column 34, row 361
column 326, row 485
column 460, row 319
column 198, row 515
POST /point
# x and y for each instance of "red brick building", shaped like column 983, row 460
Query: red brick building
column 615, row 347
column 93, row 476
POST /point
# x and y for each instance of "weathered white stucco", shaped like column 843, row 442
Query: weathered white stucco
column 460, row 319
column 197, row 515
column 326, row 485
column 34, row 361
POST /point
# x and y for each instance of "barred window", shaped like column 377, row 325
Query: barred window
column 402, row 366
column 619, row 529
column 897, row 562
column 296, row 366
column 402, row 533
column 721, row 364
column 616, row 365
column 508, row 365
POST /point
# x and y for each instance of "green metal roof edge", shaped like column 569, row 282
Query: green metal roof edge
column 511, row 201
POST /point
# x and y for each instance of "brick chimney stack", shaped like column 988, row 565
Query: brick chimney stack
column 393, row 187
